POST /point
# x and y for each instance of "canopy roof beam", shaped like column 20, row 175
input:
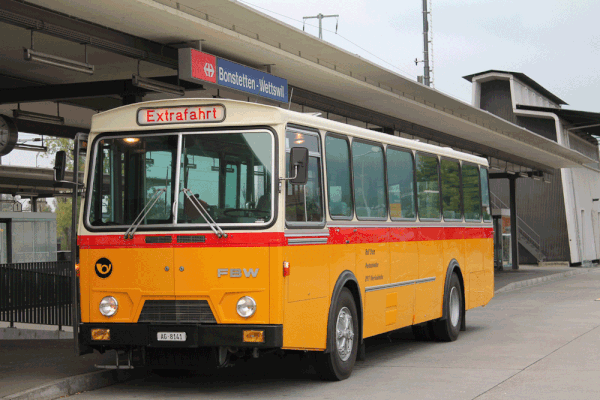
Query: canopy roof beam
column 76, row 30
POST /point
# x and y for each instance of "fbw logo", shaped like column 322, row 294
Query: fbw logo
column 103, row 268
column 209, row 70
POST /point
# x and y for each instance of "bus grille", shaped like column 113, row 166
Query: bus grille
column 177, row 312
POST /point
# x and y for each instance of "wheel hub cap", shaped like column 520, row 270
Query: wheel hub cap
column 454, row 306
column 344, row 334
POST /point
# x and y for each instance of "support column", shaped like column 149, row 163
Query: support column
column 514, row 240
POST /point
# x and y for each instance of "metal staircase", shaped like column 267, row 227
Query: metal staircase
column 527, row 237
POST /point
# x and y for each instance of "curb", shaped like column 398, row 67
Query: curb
column 537, row 281
column 25, row 334
column 76, row 384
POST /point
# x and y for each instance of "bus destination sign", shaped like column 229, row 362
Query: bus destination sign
column 181, row 115
column 199, row 67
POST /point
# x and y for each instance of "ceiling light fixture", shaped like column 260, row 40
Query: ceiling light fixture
column 49, row 59
column 33, row 116
column 157, row 86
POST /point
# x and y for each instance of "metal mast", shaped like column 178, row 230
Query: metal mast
column 426, row 79
column 320, row 18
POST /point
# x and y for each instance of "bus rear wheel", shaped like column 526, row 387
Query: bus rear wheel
column 337, row 365
column 447, row 329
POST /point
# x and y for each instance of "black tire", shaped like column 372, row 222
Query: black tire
column 337, row 365
column 447, row 329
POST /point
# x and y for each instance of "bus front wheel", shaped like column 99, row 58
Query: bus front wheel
column 447, row 329
column 338, row 363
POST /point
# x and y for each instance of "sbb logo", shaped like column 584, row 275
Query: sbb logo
column 209, row 70
column 103, row 268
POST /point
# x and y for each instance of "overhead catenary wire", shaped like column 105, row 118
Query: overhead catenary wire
column 336, row 33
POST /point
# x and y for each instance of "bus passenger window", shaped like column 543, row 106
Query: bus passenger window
column 428, row 187
column 369, row 181
column 451, row 190
column 304, row 203
column 472, row 199
column 401, row 190
column 339, row 192
column 485, row 194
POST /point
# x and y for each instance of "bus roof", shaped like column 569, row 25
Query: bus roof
column 241, row 113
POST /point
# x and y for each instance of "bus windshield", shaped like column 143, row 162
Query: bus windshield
column 230, row 173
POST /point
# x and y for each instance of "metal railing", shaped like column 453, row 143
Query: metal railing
column 36, row 293
column 525, row 231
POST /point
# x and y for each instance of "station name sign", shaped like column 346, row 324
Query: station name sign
column 199, row 67
column 182, row 115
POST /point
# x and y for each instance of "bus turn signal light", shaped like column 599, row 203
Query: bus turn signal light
column 100, row 334
column 286, row 268
column 254, row 336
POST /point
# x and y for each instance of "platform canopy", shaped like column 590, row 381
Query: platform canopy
column 319, row 72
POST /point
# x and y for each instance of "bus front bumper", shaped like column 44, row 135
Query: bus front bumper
column 133, row 335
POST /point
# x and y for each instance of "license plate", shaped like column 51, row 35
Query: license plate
column 172, row 336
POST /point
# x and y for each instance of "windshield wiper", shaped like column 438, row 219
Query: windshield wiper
column 138, row 220
column 203, row 213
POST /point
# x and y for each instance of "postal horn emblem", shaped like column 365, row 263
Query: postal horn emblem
column 103, row 268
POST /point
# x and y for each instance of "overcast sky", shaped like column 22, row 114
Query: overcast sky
column 554, row 42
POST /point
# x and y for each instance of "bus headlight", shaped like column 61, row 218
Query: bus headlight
column 109, row 306
column 246, row 306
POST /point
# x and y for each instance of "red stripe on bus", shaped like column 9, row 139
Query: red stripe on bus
column 259, row 239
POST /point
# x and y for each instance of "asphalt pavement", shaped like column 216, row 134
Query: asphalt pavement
column 517, row 335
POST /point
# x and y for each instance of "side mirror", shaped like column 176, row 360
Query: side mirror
column 60, row 163
column 299, row 166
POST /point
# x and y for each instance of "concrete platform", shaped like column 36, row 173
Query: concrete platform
column 49, row 368
column 529, row 275
column 29, row 364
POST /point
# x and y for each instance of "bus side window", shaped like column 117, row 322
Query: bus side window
column 304, row 203
column 428, row 186
column 471, row 193
column 485, row 194
column 339, row 189
column 369, row 181
column 451, row 204
column 401, row 189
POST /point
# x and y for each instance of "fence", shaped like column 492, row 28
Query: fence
column 36, row 293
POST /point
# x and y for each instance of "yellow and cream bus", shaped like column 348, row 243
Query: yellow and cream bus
column 219, row 229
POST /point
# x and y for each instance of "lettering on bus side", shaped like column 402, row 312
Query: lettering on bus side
column 237, row 272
